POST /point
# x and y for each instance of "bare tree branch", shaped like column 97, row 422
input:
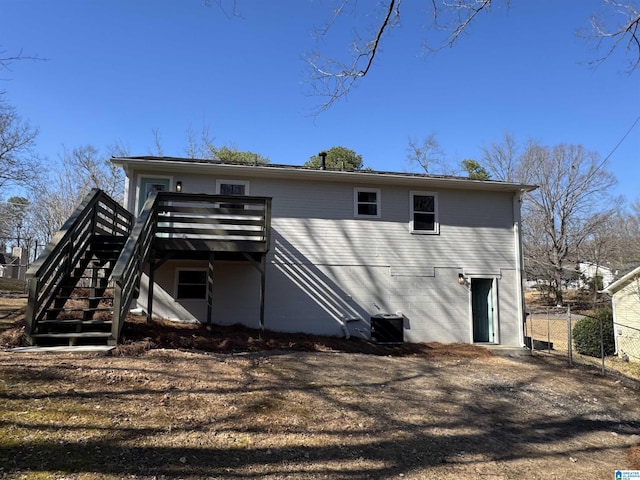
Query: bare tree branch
column 624, row 30
column 467, row 11
column 426, row 155
column 334, row 79
column 6, row 59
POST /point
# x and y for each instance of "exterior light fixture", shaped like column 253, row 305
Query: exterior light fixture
column 461, row 279
column 178, row 186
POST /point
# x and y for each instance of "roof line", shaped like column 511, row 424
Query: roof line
column 276, row 166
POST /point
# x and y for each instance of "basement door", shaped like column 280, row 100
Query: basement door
column 482, row 310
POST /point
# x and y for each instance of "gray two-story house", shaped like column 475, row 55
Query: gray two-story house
column 442, row 253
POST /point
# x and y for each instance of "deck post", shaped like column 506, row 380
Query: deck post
column 263, row 272
column 261, row 266
column 152, row 270
column 210, row 289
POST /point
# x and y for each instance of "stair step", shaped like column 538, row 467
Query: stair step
column 79, row 309
column 85, row 297
column 72, row 335
column 74, row 321
column 80, row 277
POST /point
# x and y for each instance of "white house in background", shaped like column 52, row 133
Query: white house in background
column 442, row 254
column 626, row 314
column 589, row 270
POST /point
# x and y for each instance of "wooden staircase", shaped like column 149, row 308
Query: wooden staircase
column 70, row 290
column 82, row 309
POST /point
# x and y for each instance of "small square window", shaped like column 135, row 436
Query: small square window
column 231, row 188
column 192, row 285
column 367, row 202
column 424, row 212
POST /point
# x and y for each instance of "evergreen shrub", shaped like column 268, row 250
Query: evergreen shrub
column 586, row 334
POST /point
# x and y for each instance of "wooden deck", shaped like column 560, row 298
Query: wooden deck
column 101, row 246
column 212, row 223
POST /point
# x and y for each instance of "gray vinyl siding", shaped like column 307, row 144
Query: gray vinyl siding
column 326, row 266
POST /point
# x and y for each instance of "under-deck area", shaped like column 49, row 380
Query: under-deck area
column 210, row 228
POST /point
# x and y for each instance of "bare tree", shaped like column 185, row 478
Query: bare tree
column 600, row 248
column 200, row 146
column 55, row 197
column 502, row 158
column 93, row 171
column 426, row 155
column 157, row 143
column 18, row 162
column 571, row 203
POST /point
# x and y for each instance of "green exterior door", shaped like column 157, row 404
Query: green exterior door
column 482, row 310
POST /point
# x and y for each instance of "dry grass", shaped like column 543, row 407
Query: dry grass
column 181, row 401
column 173, row 414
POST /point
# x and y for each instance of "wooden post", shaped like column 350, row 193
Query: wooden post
column 569, row 336
column 263, row 273
column 152, row 270
column 210, row 290
column 261, row 267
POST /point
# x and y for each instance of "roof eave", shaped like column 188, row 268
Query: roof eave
column 282, row 171
column 622, row 282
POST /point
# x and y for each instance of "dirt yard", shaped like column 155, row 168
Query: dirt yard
column 189, row 403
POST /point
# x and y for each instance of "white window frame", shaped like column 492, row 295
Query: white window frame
column 177, row 283
column 139, row 202
column 436, row 221
column 378, row 203
column 220, row 182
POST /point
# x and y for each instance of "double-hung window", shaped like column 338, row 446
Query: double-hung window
column 232, row 187
column 424, row 212
column 191, row 284
column 366, row 202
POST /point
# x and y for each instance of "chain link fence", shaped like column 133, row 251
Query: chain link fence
column 549, row 330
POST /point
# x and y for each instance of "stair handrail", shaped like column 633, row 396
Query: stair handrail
column 98, row 211
column 128, row 270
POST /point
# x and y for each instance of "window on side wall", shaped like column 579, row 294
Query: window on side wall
column 366, row 202
column 424, row 212
column 191, row 284
column 232, row 187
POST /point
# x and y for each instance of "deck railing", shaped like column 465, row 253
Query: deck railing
column 213, row 222
column 127, row 273
column 187, row 222
column 168, row 222
column 97, row 215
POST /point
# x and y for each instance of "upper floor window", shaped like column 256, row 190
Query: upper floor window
column 232, row 187
column 424, row 212
column 366, row 202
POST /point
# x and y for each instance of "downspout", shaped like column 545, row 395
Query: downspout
column 517, row 204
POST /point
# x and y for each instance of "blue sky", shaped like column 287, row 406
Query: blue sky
column 119, row 69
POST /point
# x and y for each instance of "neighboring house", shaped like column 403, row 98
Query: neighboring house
column 9, row 266
column 442, row 254
column 589, row 270
column 626, row 314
